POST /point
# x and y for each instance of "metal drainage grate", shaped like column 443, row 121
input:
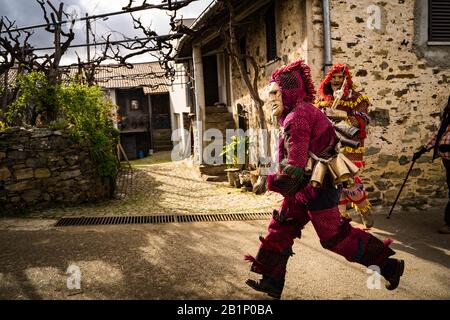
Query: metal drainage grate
column 90, row 221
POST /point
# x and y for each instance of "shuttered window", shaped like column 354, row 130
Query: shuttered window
column 271, row 38
column 243, row 50
column 439, row 21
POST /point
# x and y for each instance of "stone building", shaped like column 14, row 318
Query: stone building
column 398, row 54
column 144, row 107
column 142, row 96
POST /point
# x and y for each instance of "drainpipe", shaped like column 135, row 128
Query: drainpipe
column 327, row 36
column 199, row 98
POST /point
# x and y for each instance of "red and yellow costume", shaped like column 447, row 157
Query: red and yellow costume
column 356, row 106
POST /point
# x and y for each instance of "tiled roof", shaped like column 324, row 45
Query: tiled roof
column 149, row 76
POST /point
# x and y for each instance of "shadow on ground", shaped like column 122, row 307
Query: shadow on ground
column 127, row 262
column 415, row 232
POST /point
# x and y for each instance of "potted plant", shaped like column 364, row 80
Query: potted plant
column 231, row 153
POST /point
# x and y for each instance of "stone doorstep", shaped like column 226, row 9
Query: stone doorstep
column 213, row 170
column 219, row 178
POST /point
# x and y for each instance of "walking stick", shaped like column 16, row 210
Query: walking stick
column 400, row 191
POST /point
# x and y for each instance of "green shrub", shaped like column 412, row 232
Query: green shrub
column 59, row 124
column 83, row 110
column 35, row 96
column 88, row 113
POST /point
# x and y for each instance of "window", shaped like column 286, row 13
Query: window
column 439, row 22
column 134, row 105
column 243, row 50
column 271, row 38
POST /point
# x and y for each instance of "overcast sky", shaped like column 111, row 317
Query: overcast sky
column 28, row 12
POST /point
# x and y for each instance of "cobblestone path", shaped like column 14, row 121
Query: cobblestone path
column 154, row 187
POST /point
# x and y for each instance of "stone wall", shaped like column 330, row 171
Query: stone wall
column 407, row 86
column 292, row 43
column 40, row 168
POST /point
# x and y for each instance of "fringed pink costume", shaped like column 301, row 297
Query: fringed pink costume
column 306, row 129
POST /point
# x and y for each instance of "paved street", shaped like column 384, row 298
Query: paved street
column 157, row 186
column 204, row 260
column 200, row 260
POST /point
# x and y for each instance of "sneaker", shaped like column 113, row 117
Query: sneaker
column 392, row 272
column 445, row 229
column 367, row 219
column 273, row 287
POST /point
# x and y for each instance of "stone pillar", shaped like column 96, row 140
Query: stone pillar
column 200, row 108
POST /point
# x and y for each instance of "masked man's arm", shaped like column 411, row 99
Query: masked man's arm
column 291, row 177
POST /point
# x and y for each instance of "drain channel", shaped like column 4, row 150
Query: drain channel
column 91, row 221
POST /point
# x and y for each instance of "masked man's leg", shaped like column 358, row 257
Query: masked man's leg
column 356, row 245
column 276, row 247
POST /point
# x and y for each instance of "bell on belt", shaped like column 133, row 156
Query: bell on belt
column 333, row 174
column 318, row 174
column 350, row 165
column 340, row 169
column 309, row 166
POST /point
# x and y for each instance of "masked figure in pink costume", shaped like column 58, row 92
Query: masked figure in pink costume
column 306, row 132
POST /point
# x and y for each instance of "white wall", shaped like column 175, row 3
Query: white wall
column 178, row 92
column 111, row 93
column 179, row 101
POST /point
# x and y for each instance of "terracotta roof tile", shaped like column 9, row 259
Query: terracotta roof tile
column 149, row 76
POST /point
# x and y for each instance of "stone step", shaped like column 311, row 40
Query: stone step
column 218, row 117
column 220, row 126
column 214, row 109
column 162, row 148
column 213, row 170
column 219, row 178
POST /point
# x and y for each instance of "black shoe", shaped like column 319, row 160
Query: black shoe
column 273, row 287
column 392, row 272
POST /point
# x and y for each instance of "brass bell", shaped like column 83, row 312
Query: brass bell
column 340, row 169
column 333, row 174
column 318, row 174
column 309, row 166
column 350, row 165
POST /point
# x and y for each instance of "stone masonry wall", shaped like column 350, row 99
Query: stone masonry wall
column 407, row 88
column 40, row 168
column 292, row 44
column 407, row 92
